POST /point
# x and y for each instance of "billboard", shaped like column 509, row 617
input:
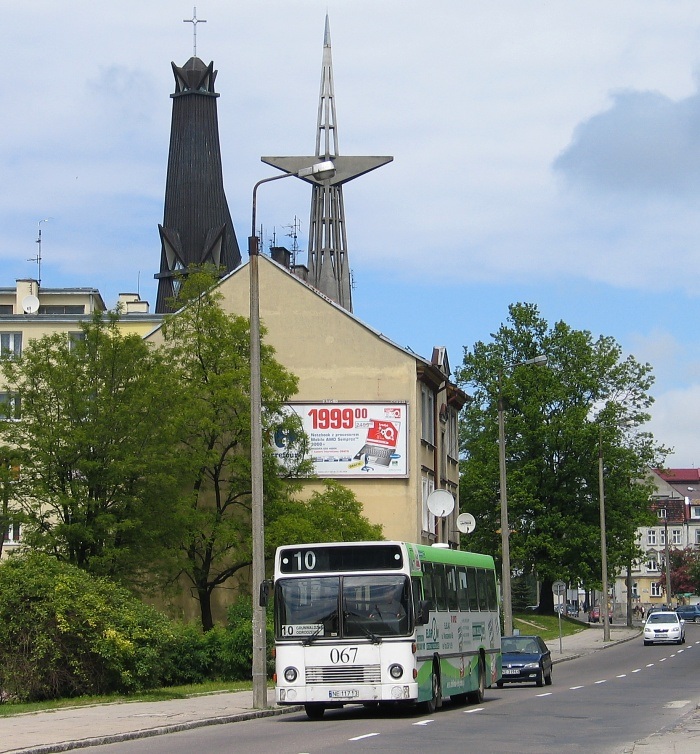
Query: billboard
column 353, row 439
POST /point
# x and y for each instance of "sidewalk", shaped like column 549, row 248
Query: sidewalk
column 79, row 727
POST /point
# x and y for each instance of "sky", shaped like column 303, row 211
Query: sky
column 544, row 152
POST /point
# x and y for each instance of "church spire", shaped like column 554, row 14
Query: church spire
column 197, row 227
column 329, row 269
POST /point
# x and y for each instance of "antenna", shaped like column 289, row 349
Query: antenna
column 194, row 21
column 294, row 229
column 37, row 258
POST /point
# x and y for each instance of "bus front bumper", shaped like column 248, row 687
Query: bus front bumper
column 339, row 695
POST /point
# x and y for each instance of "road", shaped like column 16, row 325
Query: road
column 597, row 704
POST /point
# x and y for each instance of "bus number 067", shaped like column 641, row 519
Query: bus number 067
column 343, row 656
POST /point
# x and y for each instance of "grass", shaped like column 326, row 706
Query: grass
column 153, row 695
column 546, row 626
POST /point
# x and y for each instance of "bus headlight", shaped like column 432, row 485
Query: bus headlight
column 290, row 674
column 395, row 671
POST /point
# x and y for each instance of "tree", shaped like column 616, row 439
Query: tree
column 685, row 573
column 98, row 477
column 589, row 400
column 331, row 515
column 209, row 348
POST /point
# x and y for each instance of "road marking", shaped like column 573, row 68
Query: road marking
column 604, row 681
column 650, row 665
column 477, row 709
column 548, row 693
column 424, row 722
column 624, row 675
column 677, row 705
column 359, row 738
column 663, row 659
column 637, row 670
column 574, row 688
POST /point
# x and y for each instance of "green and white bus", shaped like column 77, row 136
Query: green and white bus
column 384, row 623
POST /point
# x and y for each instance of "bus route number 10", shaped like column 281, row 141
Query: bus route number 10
column 305, row 561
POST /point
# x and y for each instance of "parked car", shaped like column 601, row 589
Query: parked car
column 688, row 612
column 594, row 615
column 664, row 627
column 525, row 659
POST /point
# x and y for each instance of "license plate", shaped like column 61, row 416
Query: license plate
column 508, row 671
column 343, row 694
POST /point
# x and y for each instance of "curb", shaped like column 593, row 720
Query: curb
column 84, row 743
column 598, row 649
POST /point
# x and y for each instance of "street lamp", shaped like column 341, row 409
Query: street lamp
column 318, row 172
column 603, row 541
column 539, row 361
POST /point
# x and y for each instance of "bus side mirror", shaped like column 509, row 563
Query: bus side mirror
column 265, row 587
column 422, row 612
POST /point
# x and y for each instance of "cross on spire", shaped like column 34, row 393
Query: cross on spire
column 194, row 21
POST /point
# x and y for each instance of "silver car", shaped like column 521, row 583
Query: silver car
column 664, row 627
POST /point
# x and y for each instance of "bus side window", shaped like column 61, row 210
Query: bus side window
column 462, row 591
column 416, row 589
column 451, row 574
column 471, row 580
column 483, row 587
column 440, row 585
column 428, row 591
column 491, row 587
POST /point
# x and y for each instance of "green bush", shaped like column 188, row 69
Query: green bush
column 237, row 655
column 65, row 633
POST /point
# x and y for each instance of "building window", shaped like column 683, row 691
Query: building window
column 9, row 406
column 10, row 345
column 427, row 414
column 635, row 590
column 75, row 337
column 676, row 536
column 452, row 434
column 652, row 564
column 651, row 537
column 12, row 534
column 62, row 309
column 656, row 590
column 661, row 513
column 428, row 486
column 697, row 536
column 695, row 511
column 662, row 537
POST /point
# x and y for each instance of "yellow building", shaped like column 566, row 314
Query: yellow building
column 343, row 363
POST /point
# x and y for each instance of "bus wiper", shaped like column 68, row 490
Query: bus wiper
column 309, row 640
column 375, row 639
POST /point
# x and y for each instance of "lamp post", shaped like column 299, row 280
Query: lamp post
column 539, row 361
column 603, row 541
column 320, row 172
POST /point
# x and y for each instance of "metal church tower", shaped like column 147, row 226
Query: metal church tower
column 329, row 269
column 197, row 227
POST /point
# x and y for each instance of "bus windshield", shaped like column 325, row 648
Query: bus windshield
column 343, row 607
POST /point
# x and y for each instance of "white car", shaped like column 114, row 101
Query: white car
column 664, row 626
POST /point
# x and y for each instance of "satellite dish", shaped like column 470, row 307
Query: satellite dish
column 30, row 304
column 466, row 523
column 440, row 503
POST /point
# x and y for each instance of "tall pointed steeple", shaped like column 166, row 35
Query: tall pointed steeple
column 197, row 227
column 328, row 263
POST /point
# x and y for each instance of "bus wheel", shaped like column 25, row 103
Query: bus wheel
column 435, row 700
column 314, row 711
column 477, row 696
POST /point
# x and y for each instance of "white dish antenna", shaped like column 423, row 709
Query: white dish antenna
column 466, row 523
column 440, row 503
column 30, row 304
